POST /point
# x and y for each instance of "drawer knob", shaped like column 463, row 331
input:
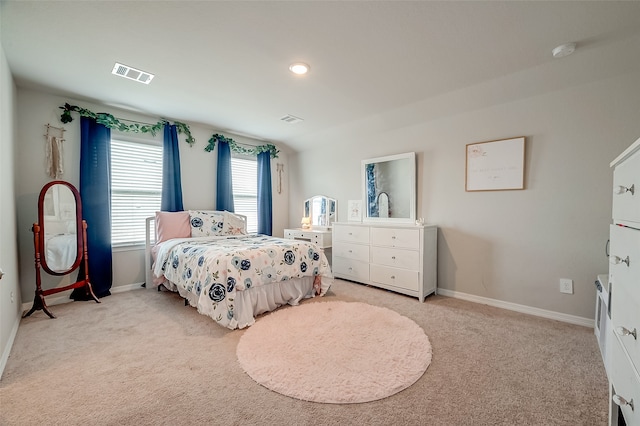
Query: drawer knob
column 621, row 401
column 616, row 260
column 619, row 189
column 623, row 331
column 393, row 277
column 393, row 258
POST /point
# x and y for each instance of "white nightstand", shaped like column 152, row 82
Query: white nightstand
column 322, row 238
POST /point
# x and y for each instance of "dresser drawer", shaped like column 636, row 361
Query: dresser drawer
column 351, row 234
column 626, row 206
column 398, row 258
column 352, row 251
column 396, row 237
column 626, row 384
column 321, row 238
column 350, row 269
column 625, row 317
column 400, row 278
column 624, row 258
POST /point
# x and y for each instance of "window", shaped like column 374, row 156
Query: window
column 244, row 175
column 136, row 188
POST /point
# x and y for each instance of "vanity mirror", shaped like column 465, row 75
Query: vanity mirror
column 321, row 211
column 60, row 241
column 389, row 188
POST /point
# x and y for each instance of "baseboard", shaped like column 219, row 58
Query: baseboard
column 571, row 319
column 7, row 349
column 64, row 297
column 128, row 287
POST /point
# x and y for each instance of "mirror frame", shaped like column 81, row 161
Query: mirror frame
column 411, row 183
column 79, row 228
column 307, row 211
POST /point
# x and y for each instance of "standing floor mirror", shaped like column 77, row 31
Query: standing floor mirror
column 60, row 241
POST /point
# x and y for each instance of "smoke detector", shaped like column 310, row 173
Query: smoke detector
column 132, row 73
column 563, row 50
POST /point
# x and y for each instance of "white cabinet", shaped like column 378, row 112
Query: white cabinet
column 320, row 238
column 624, row 277
column 397, row 258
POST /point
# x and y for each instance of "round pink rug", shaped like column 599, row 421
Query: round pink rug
column 335, row 352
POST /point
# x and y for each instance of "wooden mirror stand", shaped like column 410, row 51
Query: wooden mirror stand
column 60, row 242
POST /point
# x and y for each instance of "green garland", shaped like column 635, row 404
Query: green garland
column 112, row 122
column 271, row 149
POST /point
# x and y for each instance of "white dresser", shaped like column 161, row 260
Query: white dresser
column 397, row 258
column 624, row 276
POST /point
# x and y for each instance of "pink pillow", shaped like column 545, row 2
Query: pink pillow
column 172, row 225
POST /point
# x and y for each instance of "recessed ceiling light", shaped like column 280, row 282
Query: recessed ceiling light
column 299, row 68
column 563, row 50
column 132, row 73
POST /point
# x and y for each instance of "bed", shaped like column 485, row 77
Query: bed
column 227, row 274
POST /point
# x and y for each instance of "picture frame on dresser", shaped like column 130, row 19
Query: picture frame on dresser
column 354, row 211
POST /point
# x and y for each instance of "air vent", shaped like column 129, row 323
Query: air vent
column 291, row 119
column 132, row 73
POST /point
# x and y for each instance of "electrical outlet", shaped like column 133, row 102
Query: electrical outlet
column 566, row 286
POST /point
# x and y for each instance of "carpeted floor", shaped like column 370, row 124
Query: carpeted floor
column 144, row 358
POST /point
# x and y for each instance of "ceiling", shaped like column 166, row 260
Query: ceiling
column 374, row 64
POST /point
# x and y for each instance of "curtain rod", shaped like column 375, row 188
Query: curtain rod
column 62, row 129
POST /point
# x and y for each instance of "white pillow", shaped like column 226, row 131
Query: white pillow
column 206, row 223
column 234, row 224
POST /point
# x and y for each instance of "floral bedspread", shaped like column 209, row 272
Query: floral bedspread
column 214, row 269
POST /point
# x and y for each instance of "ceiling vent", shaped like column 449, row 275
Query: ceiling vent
column 132, row 73
column 291, row 119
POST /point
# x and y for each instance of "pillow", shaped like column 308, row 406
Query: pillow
column 206, row 223
column 234, row 224
column 172, row 225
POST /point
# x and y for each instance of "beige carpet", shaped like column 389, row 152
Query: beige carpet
column 335, row 352
column 143, row 358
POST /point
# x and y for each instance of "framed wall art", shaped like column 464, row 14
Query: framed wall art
column 354, row 212
column 495, row 165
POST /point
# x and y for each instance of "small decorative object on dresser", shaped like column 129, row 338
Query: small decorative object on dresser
column 354, row 213
column 624, row 276
column 401, row 258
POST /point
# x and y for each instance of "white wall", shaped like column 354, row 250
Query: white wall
column 10, row 301
column 512, row 246
column 35, row 109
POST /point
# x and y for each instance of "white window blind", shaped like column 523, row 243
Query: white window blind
column 244, row 175
column 136, row 187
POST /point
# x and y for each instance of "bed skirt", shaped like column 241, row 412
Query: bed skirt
column 257, row 300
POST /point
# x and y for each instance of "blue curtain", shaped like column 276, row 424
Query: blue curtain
column 171, row 199
column 265, row 221
column 224, row 184
column 95, row 195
